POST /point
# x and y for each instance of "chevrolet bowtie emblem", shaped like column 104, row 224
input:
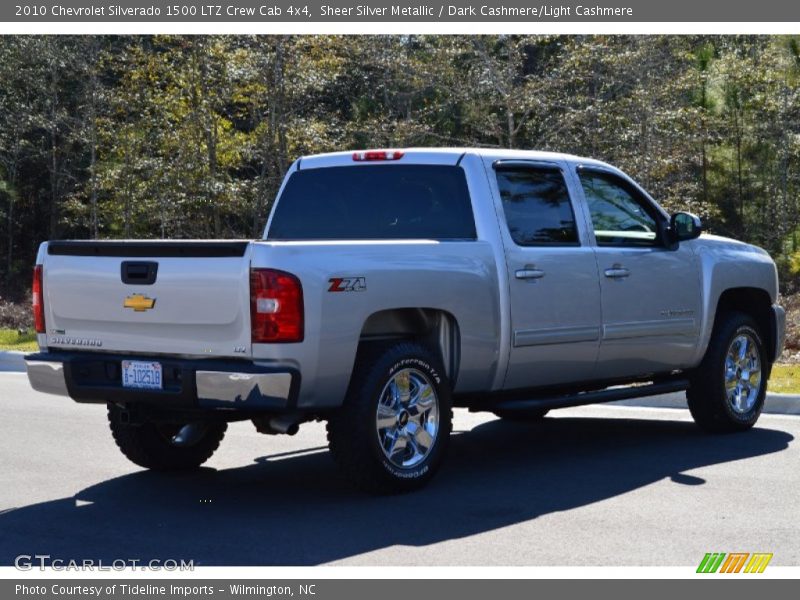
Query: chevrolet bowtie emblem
column 139, row 302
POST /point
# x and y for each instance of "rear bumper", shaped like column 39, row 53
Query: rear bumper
column 223, row 384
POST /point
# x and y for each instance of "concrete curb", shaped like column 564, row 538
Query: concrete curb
column 779, row 404
column 782, row 404
column 12, row 362
column 795, row 397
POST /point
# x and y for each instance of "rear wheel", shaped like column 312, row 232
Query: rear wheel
column 728, row 389
column 391, row 433
column 165, row 446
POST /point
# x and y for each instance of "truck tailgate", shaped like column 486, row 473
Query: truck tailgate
column 180, row 298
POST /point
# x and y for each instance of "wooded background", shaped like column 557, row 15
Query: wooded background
column 190, row 136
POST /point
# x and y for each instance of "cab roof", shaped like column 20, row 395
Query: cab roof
column 437, row 156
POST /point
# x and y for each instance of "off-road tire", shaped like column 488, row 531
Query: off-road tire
column 706, row 396
column 148, row 444
column 353, row 436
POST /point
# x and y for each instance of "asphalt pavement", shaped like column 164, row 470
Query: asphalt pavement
column 599, row 485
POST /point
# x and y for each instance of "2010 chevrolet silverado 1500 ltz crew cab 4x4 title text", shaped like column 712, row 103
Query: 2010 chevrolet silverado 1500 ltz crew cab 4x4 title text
column 391, row 286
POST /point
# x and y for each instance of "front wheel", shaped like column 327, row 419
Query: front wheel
column 165, row 446
column 728, row 389
column 391, row 433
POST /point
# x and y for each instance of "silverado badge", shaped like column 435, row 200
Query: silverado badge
column 139, row 302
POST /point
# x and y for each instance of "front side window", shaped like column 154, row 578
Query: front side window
column 621, row 216
column 537, row 206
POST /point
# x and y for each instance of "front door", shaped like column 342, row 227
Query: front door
column 650, row 293
column 553, row 280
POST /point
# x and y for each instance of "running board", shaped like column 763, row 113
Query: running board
column 597, row 397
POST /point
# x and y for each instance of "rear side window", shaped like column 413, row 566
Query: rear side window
column 537, row 206
column 375, row 202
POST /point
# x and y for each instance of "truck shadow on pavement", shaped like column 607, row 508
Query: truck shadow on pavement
column 295, row 510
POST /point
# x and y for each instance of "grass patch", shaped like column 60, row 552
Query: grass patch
column 785, row 379
column 10, row 339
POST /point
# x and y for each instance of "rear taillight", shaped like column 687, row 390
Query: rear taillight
column 37, row 297
column 378, row 155
column 276, row 307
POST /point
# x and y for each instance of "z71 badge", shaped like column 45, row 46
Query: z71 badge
column 347, row 284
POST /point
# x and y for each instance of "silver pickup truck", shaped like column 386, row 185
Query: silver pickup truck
column 391, row 286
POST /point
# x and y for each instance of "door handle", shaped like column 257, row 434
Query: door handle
column 138, row 272
column 529, row 274
column 617, row 272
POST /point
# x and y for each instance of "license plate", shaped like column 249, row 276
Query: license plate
column 141, row 375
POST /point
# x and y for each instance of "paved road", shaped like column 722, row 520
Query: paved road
column 605, row 485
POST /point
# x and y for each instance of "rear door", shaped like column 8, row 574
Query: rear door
column 187, row 298
column 552, row 273
column 650, row 292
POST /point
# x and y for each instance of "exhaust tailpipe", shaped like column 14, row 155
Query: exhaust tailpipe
column 283, row 424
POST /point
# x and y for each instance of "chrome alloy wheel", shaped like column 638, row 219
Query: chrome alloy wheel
column 742, row 373
column 407, row 418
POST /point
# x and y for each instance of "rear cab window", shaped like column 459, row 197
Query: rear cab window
column 375, row 202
